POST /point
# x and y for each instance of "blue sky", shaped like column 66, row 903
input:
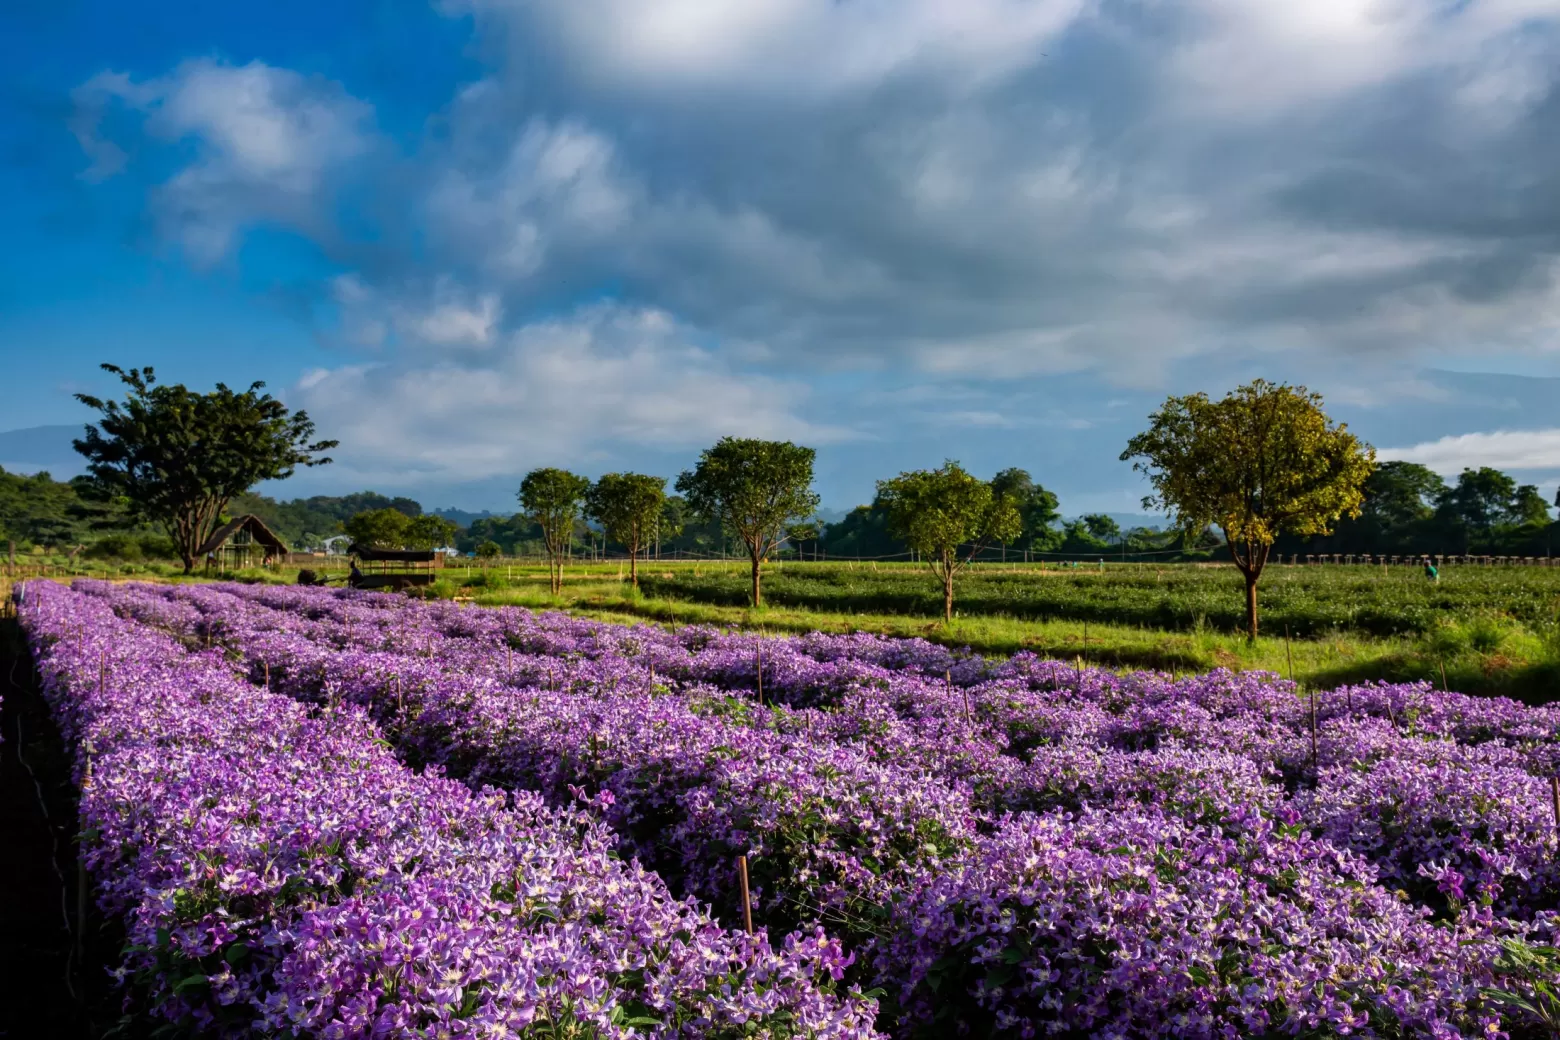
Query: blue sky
column 479, row 236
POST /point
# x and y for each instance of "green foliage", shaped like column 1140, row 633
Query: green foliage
column 378, row 529
column 752, row 488
column 307, row 522
column 178, row 458
column 627, row 505
column 114, row 547
column 1312, row 602
column 1531, row 984
column 489, row 550
column 1264, row 461
column 552, row 499
column 428, row 531
column 938, row 511
column 1038, row 509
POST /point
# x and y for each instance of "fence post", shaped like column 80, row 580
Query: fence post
column 747, row 904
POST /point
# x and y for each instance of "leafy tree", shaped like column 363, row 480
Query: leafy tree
column 752, row 488
column 551, row 499
column 1104, row 529
column 672, row 521
column 1264, row 460
column 1398, row 494
column 1528, row 508
column 428, row 531
column 1038, row 508
column 378, row 528
column 489, row 550
column 1478, row 503
column 178, row 458
column 938, row 510
column 627, row 505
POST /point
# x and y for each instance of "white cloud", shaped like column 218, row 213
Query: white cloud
column 445, row 315
column 790, row 48
column 1255, row 57
column 556, row 391
column 1502, row 449
column 265, row 140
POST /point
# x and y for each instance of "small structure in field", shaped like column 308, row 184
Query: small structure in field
column 393, row 568
column 242, row 542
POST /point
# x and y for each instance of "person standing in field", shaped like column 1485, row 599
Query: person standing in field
column 1431, row 572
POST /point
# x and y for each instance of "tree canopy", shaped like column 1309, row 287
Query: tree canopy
column 753, row 488
column 1262, row 461
column 428, row 531
column 378, row 528
column 938, row 511
column 177, row 458
column 552, row 499
column 628, row 507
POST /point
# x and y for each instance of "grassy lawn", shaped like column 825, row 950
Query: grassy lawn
column 1491, row 630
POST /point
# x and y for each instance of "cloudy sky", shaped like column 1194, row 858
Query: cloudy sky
column 480, row 236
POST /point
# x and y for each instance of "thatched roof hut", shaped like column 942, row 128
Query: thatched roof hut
column 244, row 536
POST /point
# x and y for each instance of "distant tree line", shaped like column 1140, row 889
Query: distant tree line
column 1410, row 509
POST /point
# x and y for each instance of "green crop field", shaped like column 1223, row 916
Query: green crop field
column 1479, row 629
column 1312, row 601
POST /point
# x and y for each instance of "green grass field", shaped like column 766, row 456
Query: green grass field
column 1489, row 629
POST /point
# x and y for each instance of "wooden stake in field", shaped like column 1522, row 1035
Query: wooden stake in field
column 1554, row 805
column 1313, row 729
column 267, row 666
column 1289, row 652
column 747, row 904
column 1442, row 663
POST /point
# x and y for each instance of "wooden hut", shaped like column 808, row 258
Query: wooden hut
column 394, row 568
column 242, row 542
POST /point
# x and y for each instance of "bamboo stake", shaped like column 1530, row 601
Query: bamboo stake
column 267, row 665
column 1290, row 653
column 1313, row 728
column 1442, row 662
column 747, row 904
column 1554, row 805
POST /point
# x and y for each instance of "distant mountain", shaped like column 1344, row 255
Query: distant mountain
column 464, row 517
column 41, row 448
column 1127, row 521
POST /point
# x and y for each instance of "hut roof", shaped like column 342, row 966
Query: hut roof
column 262, row 535
column 365, row 552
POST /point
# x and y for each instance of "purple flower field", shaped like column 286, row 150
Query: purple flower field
column 343, row 814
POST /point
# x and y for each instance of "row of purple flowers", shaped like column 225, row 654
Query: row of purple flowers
column 1194, row 870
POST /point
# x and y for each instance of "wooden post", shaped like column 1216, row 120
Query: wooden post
column 1442, row 663
column 1313, row 729
column 747, row 904
column 1289, row 653
column 267, row 676
column 760, row 660
column 1554, row 805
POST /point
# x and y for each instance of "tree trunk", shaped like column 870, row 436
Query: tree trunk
column 948, row 596
column 633, row 565
column 1251, row 605
column 758, row 600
